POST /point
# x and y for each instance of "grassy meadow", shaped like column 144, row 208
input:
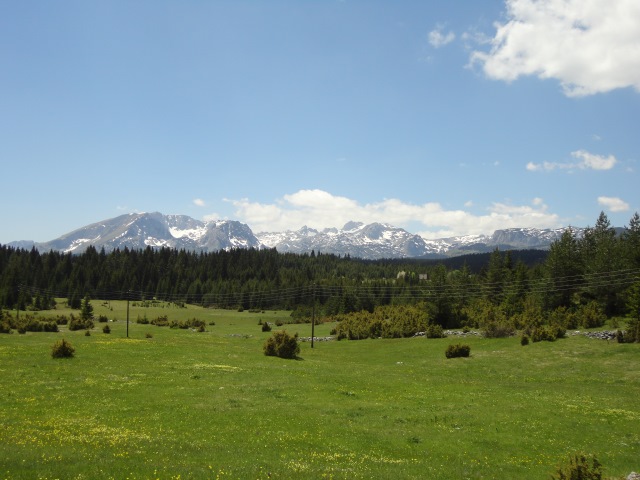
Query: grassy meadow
column 184, row 404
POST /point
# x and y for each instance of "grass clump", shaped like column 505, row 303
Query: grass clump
column 62, row 349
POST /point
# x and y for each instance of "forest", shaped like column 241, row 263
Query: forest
column 580, row 280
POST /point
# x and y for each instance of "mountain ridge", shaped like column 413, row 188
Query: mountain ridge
column 355, row 239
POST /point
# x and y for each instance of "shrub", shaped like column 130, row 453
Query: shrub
column 266, row 327
column 580, row 468
column 62, row 349
column 524, row 340
column 102, row 319
column 279, row 323
column 201, row 329
column 79, row 324
column 458, row 350
column 160, row 321
column 282, row 345
column 497, row 330
column 87, row 333
column 148, row 335
column 106, row 329
column 5, row 327
column 143, row 321
column 435, row 331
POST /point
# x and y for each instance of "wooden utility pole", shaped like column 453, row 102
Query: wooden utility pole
column 127, row 314
column 313, row 316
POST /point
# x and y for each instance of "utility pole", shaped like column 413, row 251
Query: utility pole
column 313, row 315
column 128, row 314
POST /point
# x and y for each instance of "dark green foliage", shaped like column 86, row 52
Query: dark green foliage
column 5, row 327
column 62, row 349
column 580, row 468
column 86, row 312
column 282, row 345
column 142, row 320
column 524, row 340
column 106, row 329
column 457, row 350
column 266, row 327
column 87, row 333
column 102, row 319
column 148, row 335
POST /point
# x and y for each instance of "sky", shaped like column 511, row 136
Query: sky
column 443, row 118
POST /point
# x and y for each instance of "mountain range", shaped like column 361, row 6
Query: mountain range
column 367, row 241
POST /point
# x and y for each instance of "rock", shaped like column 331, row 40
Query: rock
column 633, row 476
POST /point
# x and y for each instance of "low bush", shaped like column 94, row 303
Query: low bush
column 266, row 327
column 79, row 324
column 102, row 319
column 524, row 340
column 5, row 327
column 580, row 468
column 62, row 349
column 435, row 331
column 458, row 350
column 148, row 335
column 160, row 321
column 106, row 329
column 282, row 345
column 498, row 330
column 87, row 333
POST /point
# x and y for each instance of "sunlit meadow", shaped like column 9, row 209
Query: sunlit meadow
column 176, row 403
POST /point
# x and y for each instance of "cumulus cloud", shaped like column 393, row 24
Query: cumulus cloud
column 320, row 209
column 613, row 204
column 198, row 202
column 590, row 46
column 437, row 38
column 585, row 161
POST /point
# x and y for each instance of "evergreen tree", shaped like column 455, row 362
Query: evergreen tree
column 86, row 312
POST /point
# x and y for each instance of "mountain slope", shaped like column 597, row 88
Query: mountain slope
column 140, row 230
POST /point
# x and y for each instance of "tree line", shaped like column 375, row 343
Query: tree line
column 598, row 268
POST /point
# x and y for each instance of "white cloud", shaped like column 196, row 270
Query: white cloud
column 590, row 46
column 437, row 38
column 198, row 202
column 614, row 204
column 586, row 161
column 320, row 209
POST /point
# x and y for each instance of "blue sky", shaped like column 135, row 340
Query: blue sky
column 444, row 118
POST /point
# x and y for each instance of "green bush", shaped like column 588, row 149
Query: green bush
column 5, row 327
column 497, row 329
column 106, row 329
column 524, row 340
column 435, row 331
column 266, row 327
column 160, row 321
column 458, row 350
column 102, row 319
column 282, row 345
column 580, row 468
column 79, row 324
column 62, row 349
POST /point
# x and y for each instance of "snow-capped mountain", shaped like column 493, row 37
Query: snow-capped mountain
column 378, row 240
column 375, row 240
column 140, row 230
column 372, row 241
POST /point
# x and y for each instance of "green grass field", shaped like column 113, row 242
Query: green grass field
column 184, row 404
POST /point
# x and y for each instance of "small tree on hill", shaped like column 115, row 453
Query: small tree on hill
column 86, row 313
